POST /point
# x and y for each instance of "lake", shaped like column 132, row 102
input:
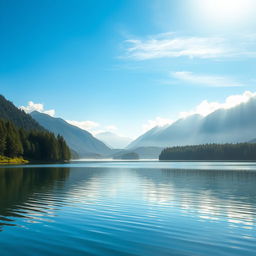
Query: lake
column 128, row 208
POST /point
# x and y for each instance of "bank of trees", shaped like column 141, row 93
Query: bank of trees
column 8, row 111
column 37, row 145
column 239, row 151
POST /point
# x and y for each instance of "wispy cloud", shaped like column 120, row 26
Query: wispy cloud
column 93, row 127
column 85, row 125
column 205, row 80
column 169, row 45
column 37, row 107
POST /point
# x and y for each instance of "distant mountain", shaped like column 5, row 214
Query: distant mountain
column 148, row 152
column 237, row 124
column 78, row 140
column 127, row 156
column 8, row 111
column 145, row 139
column 142, row 152
column 113, row 140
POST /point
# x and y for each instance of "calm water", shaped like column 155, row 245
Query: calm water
column 128, row 208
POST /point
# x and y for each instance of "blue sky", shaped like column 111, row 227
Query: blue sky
column 127, row 65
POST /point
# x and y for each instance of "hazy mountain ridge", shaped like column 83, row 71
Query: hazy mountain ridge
column 145, row 139
column 237, row 124
column 113, row 140
column 78, row 139
column 142, row 152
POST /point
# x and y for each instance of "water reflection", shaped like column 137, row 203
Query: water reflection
column 209, row 194
column 95, row 210
column 28, row 193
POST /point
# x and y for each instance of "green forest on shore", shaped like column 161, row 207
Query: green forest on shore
column 17, row 144
column 22, row 139
column 235, row 152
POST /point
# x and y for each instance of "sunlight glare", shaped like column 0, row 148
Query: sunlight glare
column 224, row 13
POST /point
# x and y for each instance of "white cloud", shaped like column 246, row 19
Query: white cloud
column 158, row 121
column 93, row 127
column 85, row 125
column 206, row 80
column 205, row 108
column 168, row 45
column 37, row 107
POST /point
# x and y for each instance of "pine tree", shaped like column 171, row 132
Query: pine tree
column 2, row 137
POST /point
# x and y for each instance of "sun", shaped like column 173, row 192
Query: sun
column 224, row 13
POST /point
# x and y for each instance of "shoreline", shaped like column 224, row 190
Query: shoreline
column 8, row 160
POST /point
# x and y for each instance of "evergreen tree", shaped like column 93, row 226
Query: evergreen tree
column 239, row 151
column 2, row 137
column 32, row 145
column 13, row 143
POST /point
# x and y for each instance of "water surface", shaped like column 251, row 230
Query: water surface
column 128, row 208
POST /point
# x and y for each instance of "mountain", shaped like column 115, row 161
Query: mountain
column 8, row 111
column 127, row 156
column 180, row 132
column 77, row 139
column 21, row 137
column 148, row 152
column 142, row 152
column 113, row 140
column 237, row 124
column 146, row 139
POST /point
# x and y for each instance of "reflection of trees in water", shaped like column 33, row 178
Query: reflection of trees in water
column 20, row 185
column 210, row 193
column 36, row 193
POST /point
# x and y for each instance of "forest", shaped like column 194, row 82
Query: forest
column 33, row 145
column 22, row 137
column 238, row 151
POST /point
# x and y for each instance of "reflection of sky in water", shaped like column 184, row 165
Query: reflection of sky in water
column 157, row 210
column 155, row 164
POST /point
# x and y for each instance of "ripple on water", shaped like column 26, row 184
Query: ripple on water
column 128, row 211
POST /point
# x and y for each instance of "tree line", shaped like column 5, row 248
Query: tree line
column 39, row 145
column 239, row 151
column 8, row 111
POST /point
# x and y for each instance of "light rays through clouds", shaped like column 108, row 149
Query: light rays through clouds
column 213, row 32
column 204, row 108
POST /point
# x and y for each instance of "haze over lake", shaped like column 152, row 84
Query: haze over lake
column 128, row 208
